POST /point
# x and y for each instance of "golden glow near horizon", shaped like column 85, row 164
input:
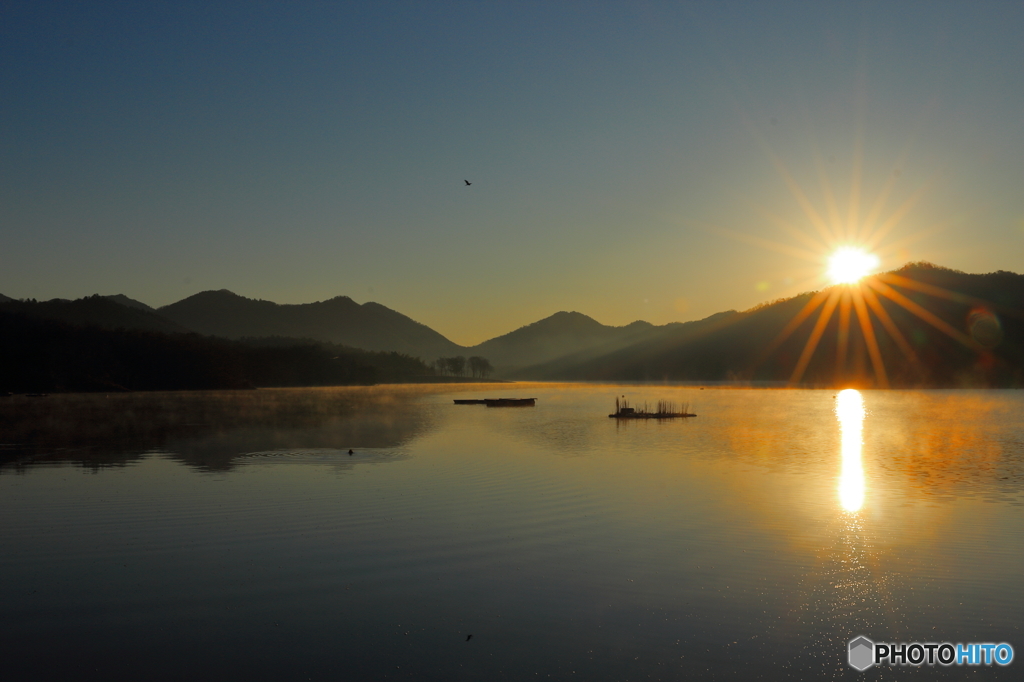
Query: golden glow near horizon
column 849, row 264
column 850, row 412
column 852, row 243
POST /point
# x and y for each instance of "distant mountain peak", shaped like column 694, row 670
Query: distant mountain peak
column 341, row 320
column 925, row 265
column 222, row 296
column 565, row 317
column 130, row 302
column 106, row 312
column 213, row 293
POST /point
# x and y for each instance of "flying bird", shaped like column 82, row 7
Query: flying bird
column 469, row 637
column 468, row 183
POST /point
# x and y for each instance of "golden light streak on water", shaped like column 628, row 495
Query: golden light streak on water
column 850, row 412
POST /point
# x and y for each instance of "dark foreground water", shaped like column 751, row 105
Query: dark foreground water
column 230, row 535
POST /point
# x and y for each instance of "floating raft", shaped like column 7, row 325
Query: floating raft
column 511, row 402
column 630, row 413
column 664, row 410
column 500, row 402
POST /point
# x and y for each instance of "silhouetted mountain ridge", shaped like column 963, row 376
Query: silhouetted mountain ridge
column 556, row 336
column 636, row 337
column 340, row 320
column 130, row 302
column 951, row 329
column 97, row 311
column 373, row 326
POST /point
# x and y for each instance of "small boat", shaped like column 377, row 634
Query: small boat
column 470, row 402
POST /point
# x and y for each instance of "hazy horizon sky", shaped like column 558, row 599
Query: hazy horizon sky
column 654, row 161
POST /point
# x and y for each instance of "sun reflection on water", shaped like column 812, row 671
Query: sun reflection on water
column 850, row 412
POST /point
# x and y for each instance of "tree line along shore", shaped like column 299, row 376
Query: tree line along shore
column 44, row 355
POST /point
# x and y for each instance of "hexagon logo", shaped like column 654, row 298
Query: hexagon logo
column 861, row 653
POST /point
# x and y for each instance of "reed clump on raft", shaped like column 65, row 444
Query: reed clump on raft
column 665, row 409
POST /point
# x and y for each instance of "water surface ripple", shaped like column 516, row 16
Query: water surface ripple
column 569, row 545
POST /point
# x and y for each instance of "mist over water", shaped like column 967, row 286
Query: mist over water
column 231, row 535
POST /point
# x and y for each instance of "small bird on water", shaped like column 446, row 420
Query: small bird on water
column 350, row 452
column 468, row 183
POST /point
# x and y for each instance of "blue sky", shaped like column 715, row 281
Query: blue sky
column 654, row 161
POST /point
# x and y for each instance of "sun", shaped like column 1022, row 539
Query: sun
column 849, row 264
column 847, row 248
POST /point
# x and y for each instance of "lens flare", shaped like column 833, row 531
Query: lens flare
column 848, row 265
column 850, row 412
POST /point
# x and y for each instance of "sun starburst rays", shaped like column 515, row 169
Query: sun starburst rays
column 860, row 308
column 889, row 326
column 924, row 314
column 842, row 337
column 868, row 329
column 815, row 336
column 856, row 246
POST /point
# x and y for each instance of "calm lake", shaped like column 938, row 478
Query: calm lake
column 230, row 535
